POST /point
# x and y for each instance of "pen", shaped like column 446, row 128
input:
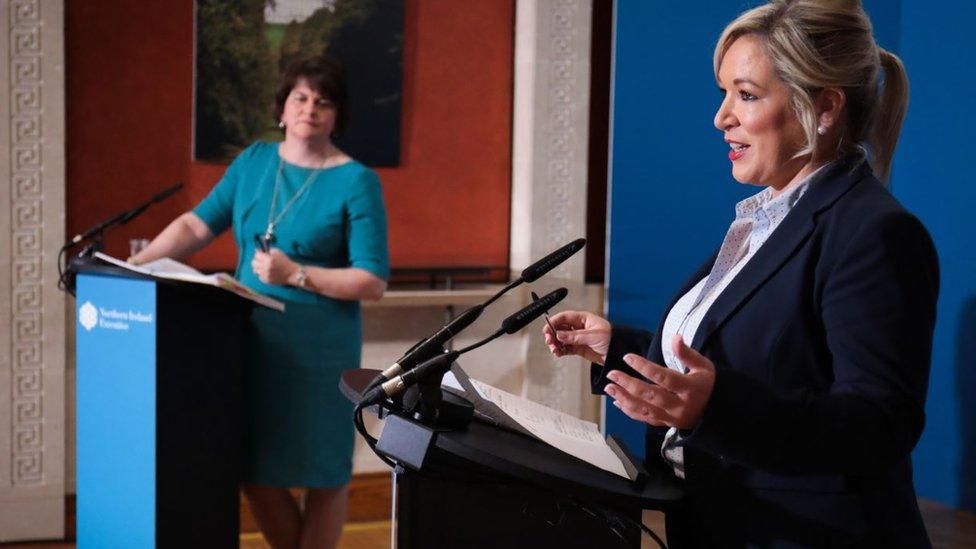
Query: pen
column 559, row 344
column 263, row 243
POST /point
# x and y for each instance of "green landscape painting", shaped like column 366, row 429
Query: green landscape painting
column 242, row 46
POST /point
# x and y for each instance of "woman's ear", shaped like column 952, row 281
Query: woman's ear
column 830, row 105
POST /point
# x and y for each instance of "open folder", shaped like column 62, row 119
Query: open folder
column 174, row 270
column 574, row 436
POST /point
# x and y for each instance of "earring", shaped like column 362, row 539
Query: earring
column 281, row 124
column 821, row 130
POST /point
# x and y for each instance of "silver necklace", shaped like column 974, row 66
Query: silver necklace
column 274, row 219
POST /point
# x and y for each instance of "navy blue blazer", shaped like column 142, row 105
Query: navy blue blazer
column 822, row 346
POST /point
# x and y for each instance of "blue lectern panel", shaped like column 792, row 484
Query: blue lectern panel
column 116, row 387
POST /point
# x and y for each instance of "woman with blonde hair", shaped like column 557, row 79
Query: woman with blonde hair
column 786, row 381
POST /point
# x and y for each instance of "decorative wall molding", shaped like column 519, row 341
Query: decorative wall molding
column 32, row 345
column 549, row 176
column 26, row 228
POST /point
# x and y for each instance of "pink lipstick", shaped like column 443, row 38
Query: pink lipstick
column 738, row 149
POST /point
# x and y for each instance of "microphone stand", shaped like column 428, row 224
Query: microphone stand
column 95, row 234
column 434, row 344
column 433, row 406
column 438, row 408
column 427, row 402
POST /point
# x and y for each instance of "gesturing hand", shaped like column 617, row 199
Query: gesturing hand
column 674, row 399
column 579, row 333
column 273, row 267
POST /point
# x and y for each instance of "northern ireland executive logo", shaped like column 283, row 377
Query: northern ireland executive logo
column 88, row 315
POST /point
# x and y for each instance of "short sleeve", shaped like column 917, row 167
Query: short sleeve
column 217, row 209
column 367, row 227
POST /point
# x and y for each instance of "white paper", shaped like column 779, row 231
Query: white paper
column 166, row 265
column 570, row 434
column 174, row 270
column 451, row 382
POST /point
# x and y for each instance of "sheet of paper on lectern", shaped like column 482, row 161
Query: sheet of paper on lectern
column 174, row 270
column 576, row 437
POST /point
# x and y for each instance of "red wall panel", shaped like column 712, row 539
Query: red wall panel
column 129, row 80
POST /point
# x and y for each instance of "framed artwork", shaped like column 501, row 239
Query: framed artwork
column 243, row 46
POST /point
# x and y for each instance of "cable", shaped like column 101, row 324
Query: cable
column 651, row 533
column 595, row 513
column 603, row 516
column 62, row 279
column 357, row 416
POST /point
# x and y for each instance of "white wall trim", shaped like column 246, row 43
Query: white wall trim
column 32, row 310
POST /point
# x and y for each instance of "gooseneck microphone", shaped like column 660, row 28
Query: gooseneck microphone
column 441, row 363
column 66, row 273
column 431, row 346
column 532, row 311
column 124, row 217
column 551, row 261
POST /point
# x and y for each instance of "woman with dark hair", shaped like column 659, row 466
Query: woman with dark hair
column 310, row 228
column 786, row 381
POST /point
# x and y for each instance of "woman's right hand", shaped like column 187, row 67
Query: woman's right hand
column 578, row 333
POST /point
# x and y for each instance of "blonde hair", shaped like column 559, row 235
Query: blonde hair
column 815, row 44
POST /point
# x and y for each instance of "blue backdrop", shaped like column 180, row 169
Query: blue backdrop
column 672, row 194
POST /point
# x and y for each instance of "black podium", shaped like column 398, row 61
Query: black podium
column 158, row 408
column 486, row 487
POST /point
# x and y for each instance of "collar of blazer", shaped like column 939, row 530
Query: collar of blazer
column 824, row 191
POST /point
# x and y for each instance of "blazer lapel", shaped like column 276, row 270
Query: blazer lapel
column 780, row 245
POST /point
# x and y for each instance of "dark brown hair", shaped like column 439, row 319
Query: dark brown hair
column 324, row 75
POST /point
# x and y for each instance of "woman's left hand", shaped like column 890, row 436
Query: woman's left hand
column 273, row 267
column 673, row 399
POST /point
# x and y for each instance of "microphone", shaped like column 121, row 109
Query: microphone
column 162, row 195
column 124, row 217
column 432, row 345
column 533, row 310
column 441, row 363
column 551, row 261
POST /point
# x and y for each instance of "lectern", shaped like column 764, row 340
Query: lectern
column 158, row 408
column 483, row 487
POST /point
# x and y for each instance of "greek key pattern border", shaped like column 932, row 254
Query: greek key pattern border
column 26, row 226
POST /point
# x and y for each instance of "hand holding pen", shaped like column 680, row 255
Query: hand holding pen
column 558, row 345
column 264, row 242
column 579, row 333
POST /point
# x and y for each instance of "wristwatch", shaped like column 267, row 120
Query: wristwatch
column 301, row 277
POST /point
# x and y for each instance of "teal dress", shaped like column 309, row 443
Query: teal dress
column 298, row 428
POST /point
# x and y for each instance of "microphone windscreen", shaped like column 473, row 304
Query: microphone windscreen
column 551, row 261
column 533, row 311
column 463, row 320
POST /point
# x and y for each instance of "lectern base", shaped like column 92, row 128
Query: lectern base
column 435, row 511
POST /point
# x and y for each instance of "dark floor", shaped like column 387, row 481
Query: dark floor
column 948, row 528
